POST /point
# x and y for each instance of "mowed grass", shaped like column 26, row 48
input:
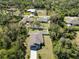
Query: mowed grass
column 41, row 12
column 47, row 51
column 27, row 56
column 1, row 29
column 77, row 38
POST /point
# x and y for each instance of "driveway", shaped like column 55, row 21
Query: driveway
column 33, row 54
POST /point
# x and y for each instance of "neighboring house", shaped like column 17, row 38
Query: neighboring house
column 11, row 11
column 36, row 41
column 72, row 21
column 43, row 19
column 32, row 11
column 37, row 27
column 29, row 20
column 45, row 32
column 26, row 19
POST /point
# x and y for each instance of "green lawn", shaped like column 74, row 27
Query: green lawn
column 27, row 48
column 47, row 51
column 1, row 29
column 77, row 38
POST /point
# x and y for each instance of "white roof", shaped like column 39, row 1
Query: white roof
column 31, row 10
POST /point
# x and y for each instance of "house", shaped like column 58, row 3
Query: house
column 12, row 9
column 36, row 41
column 29, row 19
column 72, row 21
column 26, row 19
column 37, row 27
column 43, row 19
column 32, row 11
column 45, row 32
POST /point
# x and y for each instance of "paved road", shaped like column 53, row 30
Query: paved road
column 33, row 54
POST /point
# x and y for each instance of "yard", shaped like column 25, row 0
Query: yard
column 1, row 29
column 27, row 48
column 77, row 38
column 47, row 51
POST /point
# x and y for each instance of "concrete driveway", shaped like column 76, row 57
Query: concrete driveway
column 33, row 54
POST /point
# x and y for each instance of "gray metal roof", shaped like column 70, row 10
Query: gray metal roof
column 12, row 9
column 45, row 32
column 26, row 19
column 43, row 19
column 36, row 38
column 72, row 20
column 37, row 27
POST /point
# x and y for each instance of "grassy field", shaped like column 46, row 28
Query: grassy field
column 77, row 38
column 1, row 29
column 27, row 48
column 47, row 51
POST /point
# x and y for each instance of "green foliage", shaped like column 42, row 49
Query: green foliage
column 13, row 36
column 63, row 7
column 62, row 39
column 38, row 4
column 11, row 41
column 66, row 50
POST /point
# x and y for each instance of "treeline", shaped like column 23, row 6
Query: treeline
column 11, row 42
column 12, row 37
column 63, row 7
column 12, row 34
